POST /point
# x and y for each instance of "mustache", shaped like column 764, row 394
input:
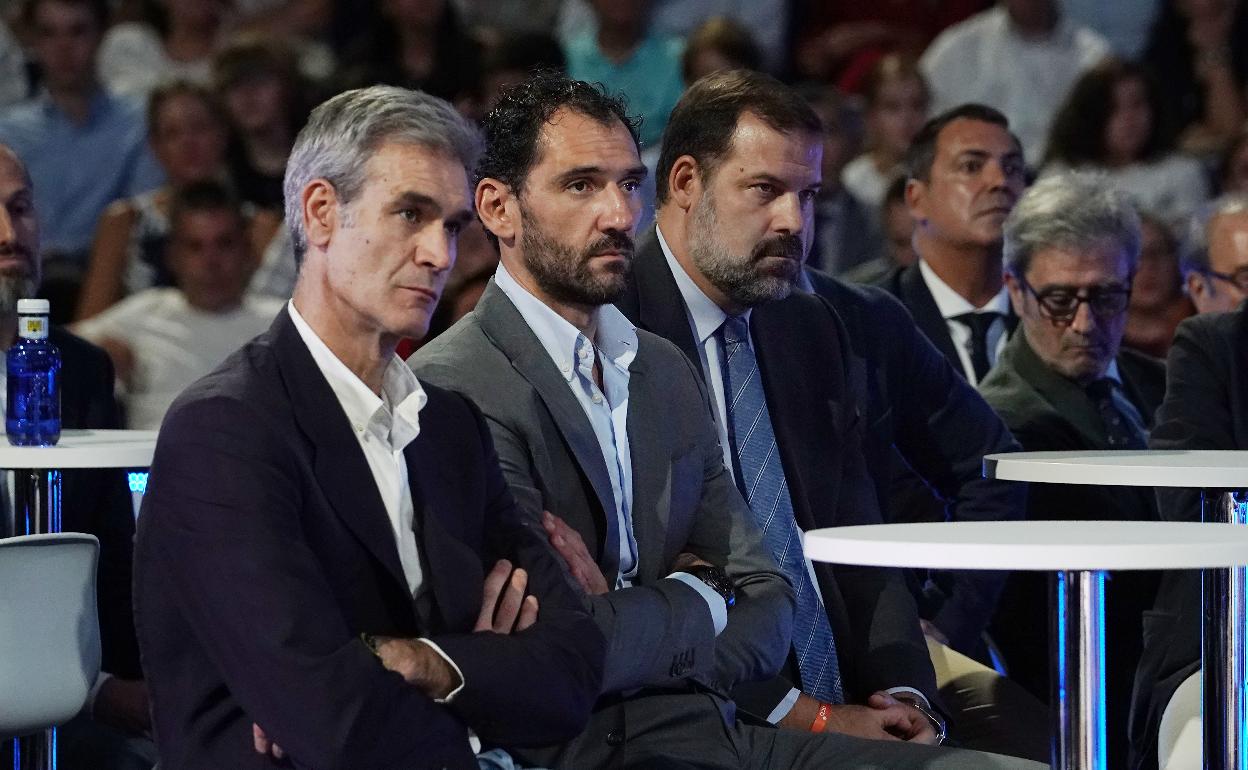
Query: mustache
column 616, row 241
column 786, row 246
column 14, row 249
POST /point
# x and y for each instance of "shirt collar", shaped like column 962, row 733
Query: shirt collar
column 1112, row 372
column 952, row 304
column 563, row 342
column 394, row 416
column 707, row 316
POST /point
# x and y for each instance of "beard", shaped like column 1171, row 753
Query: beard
column 565, row 274
column 744, row 280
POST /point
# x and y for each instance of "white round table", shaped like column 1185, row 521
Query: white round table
column 1080, row 552
column 1221, row 475
column 37, row 508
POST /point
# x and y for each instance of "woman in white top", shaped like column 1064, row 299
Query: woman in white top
column 896, row 107
column 1110, row 124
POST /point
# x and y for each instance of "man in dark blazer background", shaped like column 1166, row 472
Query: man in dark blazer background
column 110, row 731
column 1065, row 383
column 1206, row 407
column 329, row 565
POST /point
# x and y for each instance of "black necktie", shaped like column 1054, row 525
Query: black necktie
column 1120, row 430
column 979, row 324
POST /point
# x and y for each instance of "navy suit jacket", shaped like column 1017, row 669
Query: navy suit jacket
column 818, row 418
column 264, row 551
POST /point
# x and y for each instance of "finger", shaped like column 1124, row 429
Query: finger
column 277, row 752
column 509, row 605
column 492, row 587
column 528, row 613
column 881, row 700
column 259, row 739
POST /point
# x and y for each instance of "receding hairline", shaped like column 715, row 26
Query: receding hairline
column 543, row 140
column 1018, row 147
column 17, row 161
column 712, row 165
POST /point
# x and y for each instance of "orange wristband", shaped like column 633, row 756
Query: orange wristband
column 821, row 718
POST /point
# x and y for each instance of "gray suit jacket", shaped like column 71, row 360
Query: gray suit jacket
column 659, row 632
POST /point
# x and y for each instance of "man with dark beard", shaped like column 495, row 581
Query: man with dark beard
column 608, row 427
column 110, row 731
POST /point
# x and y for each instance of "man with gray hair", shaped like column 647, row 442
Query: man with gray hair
column 1065, row 383
column 1215, row 256
column 329, row 566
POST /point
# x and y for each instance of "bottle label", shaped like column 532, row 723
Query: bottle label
column 33, row 327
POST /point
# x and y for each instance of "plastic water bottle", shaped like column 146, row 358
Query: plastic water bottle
column 32, row 415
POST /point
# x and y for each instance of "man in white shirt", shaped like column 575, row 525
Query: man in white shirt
column 1215, row 255
column 965, row 171
column 1021, row 57
column 164, row 338
column 318, row 520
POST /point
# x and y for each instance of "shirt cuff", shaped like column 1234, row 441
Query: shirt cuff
column 715, row 602
column 450, row 695
column 100, row 679
column 783, row 708
column 910, row 691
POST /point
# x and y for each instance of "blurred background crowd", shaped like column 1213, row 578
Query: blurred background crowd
column 157, row 131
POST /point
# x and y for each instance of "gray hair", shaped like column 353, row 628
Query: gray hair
column 1071, row 210
column 343, row 133
column 1195, row 255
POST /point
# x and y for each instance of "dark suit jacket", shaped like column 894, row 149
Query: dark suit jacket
column 98, row 501
column 818, row 421
column 1046, row 411
column 1206, row 407
column 660, row 633
column 921, row 413
column 264, row 551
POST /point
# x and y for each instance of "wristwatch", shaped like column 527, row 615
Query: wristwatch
column 938, row 724
column 717, row 580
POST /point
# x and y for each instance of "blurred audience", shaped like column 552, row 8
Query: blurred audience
column 1158, row 302
column 719, row 44
column 164, row 338
column 1198, row 54
column 14, row 72
column 1215, row 255
column 1111, row 123
column 1126, row 24
column 1021, row 57
column 1233, row 170
column 896, row 107
column 514, row 58
column 176, row 40
column 897, row 229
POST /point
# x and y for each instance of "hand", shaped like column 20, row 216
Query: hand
column 914, row 727
column 685, row 561
column 419, row 664
column 571, row 547
column 123, row 359
column 123, row 704
column 264, row 745
column 934, row 633
column 504, row 607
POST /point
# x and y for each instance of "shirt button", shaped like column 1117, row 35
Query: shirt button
column 615, row 738
column 597, row 399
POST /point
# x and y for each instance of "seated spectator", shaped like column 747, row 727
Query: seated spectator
column 1021, row 57
column 14, row 73
column 1233, row 170
column 626, row 53
column 719, row 44
column 896, row 107
column 514, row 58
column 188, row 134
column 1110, row 123
column 1158, row 302
column 1196, row 50
column 845, row 232
column 1215, row 255
column 264, row 98
column 162, row 339
column 84, row 147
column 1126, row 26
column 174, row 41
column 1205, row 408
column 898, row 234
column 1064, row 383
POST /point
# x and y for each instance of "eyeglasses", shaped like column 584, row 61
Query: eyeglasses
column 1061, row 304
column 1238, row 279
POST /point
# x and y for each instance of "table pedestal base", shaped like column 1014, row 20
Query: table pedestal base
column 1077, row 618
column 29, row 752
column 1224, row 642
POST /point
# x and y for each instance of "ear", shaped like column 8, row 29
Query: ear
column 321, row 216
column 684, row 182
column 499, row 209
column 1016, row 293
column 916, row 200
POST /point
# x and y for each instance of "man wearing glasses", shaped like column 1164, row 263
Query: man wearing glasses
column 1215, row 258
column 1064, row 383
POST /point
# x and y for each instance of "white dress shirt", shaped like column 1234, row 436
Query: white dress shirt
column 952, row 304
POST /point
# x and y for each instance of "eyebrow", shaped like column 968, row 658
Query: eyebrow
column 421, row 200
column 639, row 171
column 763, row 176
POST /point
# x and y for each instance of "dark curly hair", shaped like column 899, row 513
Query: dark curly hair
column 1078, row 133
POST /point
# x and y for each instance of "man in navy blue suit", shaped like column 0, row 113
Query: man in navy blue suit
column 329, row 566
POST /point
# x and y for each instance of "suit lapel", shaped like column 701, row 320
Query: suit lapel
column 653, row 301
column 914, row 294
column 651, row 468
column 1064, row 396
column 503, row 325
column 341, row 469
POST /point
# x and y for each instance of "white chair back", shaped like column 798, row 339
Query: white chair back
column 49, row 630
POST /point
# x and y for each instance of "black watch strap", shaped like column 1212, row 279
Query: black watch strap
column 717, row 580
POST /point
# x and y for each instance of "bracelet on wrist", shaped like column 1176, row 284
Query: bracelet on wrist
column 821, row 718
